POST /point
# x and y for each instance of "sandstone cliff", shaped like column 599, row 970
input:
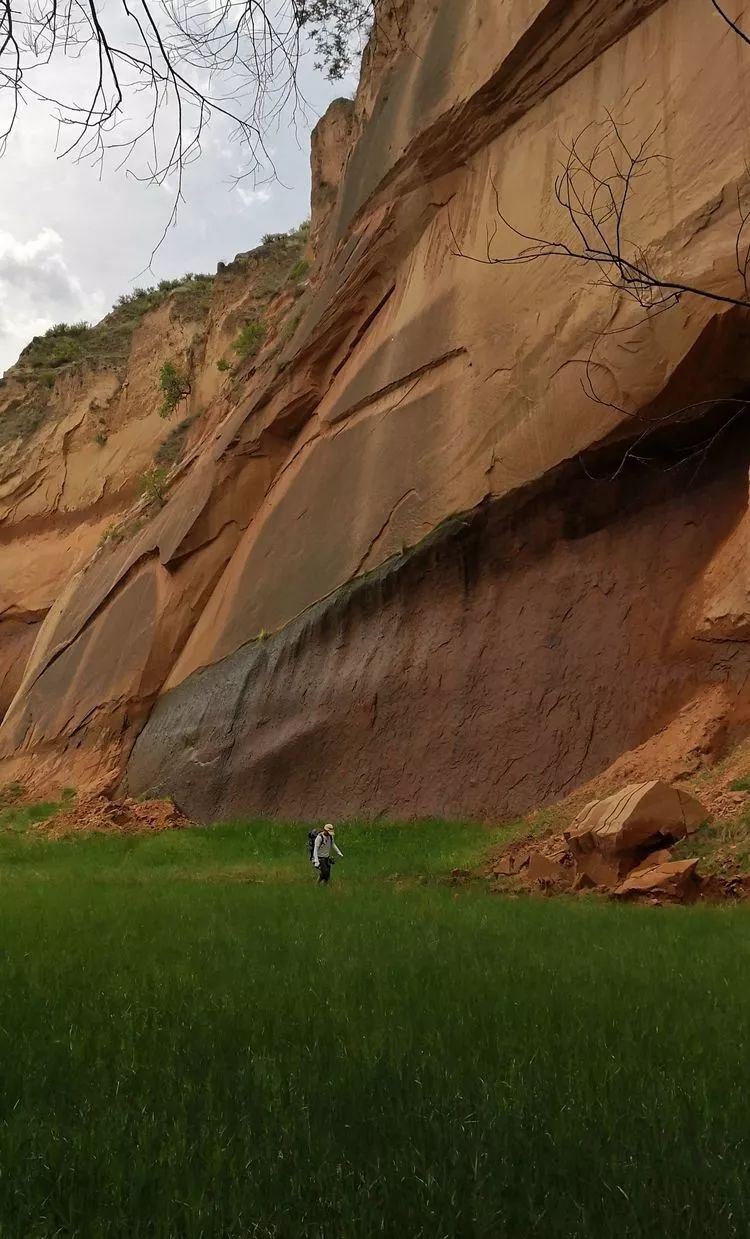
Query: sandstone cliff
column 380, row 578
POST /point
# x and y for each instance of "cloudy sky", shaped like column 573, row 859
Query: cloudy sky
column 72, row 239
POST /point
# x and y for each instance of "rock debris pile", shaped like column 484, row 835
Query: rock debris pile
column 621, row 845
column 97, row 815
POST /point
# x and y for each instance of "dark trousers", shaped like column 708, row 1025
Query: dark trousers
column 324, row 869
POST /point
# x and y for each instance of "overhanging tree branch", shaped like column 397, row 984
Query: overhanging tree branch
column 153, row 73
column 594, row 191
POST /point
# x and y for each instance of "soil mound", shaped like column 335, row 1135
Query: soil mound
column 97, row 815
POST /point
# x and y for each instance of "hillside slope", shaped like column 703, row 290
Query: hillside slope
column 380, row 579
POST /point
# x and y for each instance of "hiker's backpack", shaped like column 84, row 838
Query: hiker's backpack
column 311, row 837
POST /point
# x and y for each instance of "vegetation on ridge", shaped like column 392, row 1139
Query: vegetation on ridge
column 66, row 347
column 108, row 342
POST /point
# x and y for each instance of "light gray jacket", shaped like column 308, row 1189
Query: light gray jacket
column 323, row 845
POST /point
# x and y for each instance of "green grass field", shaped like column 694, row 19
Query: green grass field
column 196, row 1041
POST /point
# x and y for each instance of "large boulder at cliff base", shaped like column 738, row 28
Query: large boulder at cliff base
column 610, row 837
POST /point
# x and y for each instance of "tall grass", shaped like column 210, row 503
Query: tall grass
column 192, row 1049
column 258, row 851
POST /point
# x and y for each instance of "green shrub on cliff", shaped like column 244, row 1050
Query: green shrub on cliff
column 113, row 533
column 292, row 324
column 299, row 271
column 175, row 386
column 170, row 451
column 153, row 484
column 248, row 342
column 24, row 417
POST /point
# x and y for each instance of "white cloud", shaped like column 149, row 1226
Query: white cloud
column 73, row 237
column 37, row 289
column 250, row 196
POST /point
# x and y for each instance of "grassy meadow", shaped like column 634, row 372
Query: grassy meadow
column 195, row 1041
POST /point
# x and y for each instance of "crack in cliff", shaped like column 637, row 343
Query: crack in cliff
column 23, row 615
column 179, row 555
column 227, row 753
column 362, row 331
column 381, row 532
column 72, row 518
column 27, row 486
column 586, row 748
column 343, row 421
column 118, row 588
column 331, row 430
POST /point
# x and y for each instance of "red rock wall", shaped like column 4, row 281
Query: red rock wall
column 495, row 670
column 406, row 385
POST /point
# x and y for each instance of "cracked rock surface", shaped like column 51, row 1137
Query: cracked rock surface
column 381, row 581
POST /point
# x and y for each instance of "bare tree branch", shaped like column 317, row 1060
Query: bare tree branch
column 153, row 73
column 594, row 190
column 737, row 30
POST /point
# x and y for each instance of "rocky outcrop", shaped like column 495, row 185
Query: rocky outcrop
column 613, row 837
column 330, row 144
column 81, row 544
column 667, row 879
column 386, row 578
column 618, row 846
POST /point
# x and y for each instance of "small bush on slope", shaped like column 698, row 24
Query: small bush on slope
column 175, row 385
column 249, row 340
column 170, row 451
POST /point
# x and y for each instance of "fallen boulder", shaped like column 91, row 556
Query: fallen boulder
column 546, row 869
column 511, row 863
column 670, row 879
column 610, row 837
column 662, row 856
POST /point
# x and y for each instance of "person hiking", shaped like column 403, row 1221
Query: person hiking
column 322, row 848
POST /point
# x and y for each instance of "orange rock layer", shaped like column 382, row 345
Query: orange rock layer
column 385, row 578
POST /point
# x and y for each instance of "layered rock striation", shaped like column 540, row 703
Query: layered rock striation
column 461, row 531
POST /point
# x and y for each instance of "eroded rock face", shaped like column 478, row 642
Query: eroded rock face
column 499, row 668
column 100, row 586
column 276, row 626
